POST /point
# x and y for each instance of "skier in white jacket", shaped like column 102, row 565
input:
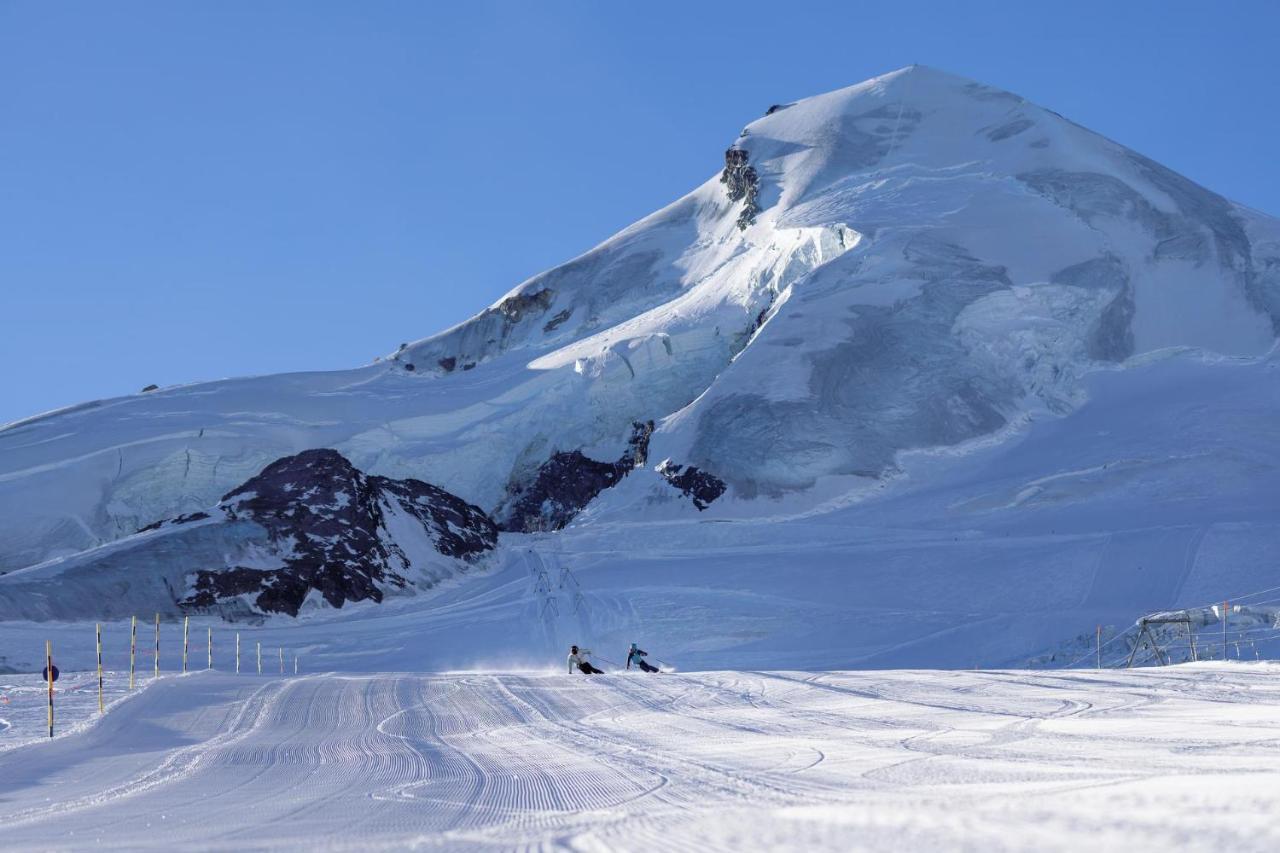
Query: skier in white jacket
column 578, row 660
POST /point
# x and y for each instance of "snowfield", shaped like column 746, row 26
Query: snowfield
column 928, row 377
column 1184, row 758
column 931, row 263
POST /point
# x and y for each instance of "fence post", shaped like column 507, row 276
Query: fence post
column 98, row 633
column 133, row 647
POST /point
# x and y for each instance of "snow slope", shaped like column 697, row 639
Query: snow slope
column 932, row 258
column 998, row 556
column 1181, row 758
column 972, row 379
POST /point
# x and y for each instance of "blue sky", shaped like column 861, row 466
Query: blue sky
column 191, row 191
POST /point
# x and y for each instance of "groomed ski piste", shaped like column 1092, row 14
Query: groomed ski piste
column 1182, row 757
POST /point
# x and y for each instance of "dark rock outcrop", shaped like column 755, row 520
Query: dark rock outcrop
column 638, row 445
column 570, row 480
column 182, row 519
column 556, row 321
column 700, row 486
column 742, row 184
column 565, row 483
column 328, row 524
column 456, row 528
column 515, row 308
column 491, row 331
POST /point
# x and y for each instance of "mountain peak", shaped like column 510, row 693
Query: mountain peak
column 916, row 116
column 921, row 79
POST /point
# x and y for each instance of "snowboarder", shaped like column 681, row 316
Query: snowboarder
column 636, row 655
column 578, row 660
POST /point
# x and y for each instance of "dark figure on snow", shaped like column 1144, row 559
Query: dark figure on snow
column 578, row 660
column 636, row 656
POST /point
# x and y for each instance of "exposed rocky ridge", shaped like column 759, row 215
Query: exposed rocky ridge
column 568, row 481
column 186, row 518
column 699, row 486
column 492, row 329
column 329, row 522
column 742, row 184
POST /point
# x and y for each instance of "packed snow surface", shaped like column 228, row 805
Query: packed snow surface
column 1184, row 758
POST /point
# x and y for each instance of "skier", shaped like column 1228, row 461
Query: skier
column 578, row 660
column 636, row 655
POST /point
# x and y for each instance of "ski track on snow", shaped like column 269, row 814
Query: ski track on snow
column 707, row 761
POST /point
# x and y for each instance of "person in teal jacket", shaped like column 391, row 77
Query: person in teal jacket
column 637, row 656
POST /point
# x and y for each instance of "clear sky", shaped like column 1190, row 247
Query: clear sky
column 197, row 190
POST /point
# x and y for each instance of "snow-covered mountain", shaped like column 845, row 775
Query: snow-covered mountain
column 915, row 267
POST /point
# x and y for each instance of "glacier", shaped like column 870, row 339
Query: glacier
column 936, row 377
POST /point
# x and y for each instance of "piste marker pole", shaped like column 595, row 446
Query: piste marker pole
column 157, row 645
column 186, row 625
column 210, row 666
column 133, row 647
column 48, row 672
column 259, row 657
column 98, row 632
